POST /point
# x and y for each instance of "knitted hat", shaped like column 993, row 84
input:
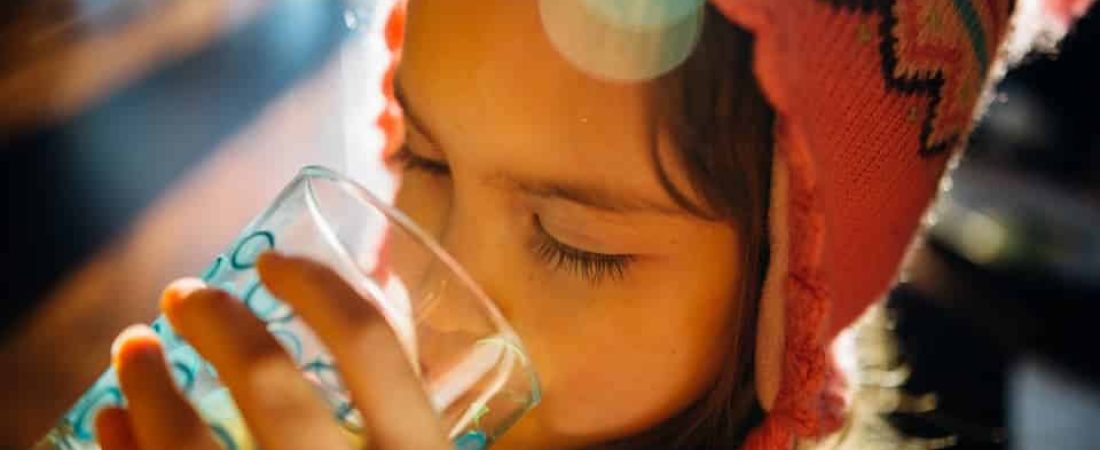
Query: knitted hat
column 872, row 97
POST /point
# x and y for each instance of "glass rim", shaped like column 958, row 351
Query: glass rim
column 503, row 329
column 308, row 174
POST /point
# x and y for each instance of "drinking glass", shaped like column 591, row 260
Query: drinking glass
column 472, row 365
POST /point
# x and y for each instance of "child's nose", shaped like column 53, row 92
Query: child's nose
column 464, row 236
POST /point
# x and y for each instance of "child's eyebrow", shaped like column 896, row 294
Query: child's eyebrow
column 597, row 197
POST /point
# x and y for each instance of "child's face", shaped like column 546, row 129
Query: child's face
column 552, row 203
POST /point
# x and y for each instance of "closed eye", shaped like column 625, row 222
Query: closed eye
column 595, row 268
column 411, row 161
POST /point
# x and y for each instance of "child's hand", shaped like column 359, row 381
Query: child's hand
column 280, row 407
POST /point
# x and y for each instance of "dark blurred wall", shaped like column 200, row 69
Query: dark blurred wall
column 997, row 318
column 1047, row 121
column 74, row 184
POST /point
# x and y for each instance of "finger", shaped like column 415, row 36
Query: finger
column 368, row 353
column 281, row 409
column 160, row 417
column 112, row 428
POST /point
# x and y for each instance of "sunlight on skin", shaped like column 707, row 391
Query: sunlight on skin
column 487, row 96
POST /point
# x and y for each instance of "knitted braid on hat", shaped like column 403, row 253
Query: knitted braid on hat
column 871, row 97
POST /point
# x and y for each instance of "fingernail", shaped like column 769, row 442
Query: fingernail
column 179, row 290
column 132, row 332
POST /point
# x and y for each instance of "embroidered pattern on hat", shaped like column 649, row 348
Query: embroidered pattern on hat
column 941, row 49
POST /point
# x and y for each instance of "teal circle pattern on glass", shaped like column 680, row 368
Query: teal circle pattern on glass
column 471, row 440
column 290, row 341
column 245, row 254
column 168, row 337
column 184, row 375
column 265, row 306
column 347, row 415
column 325, row 373
column 223, row 437
column 213, row 269
column 105, row 395
column 188, row 368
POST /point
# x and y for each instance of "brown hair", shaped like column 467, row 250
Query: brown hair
column 721, row 126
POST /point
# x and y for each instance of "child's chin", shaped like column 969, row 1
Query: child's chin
column 539, row 431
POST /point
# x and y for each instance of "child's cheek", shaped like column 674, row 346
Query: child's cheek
column 618, row 369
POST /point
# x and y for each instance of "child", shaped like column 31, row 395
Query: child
column 676, row 252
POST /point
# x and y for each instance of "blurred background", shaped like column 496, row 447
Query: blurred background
column 996, row 318
column 138, row 136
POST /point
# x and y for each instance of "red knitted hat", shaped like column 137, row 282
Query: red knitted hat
column 872, row 98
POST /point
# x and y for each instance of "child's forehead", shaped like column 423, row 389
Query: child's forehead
column 496, row 93
column 504, row 75
column 601, row 39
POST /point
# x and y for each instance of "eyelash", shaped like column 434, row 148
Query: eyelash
column 410, row 161
column 594, row 268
